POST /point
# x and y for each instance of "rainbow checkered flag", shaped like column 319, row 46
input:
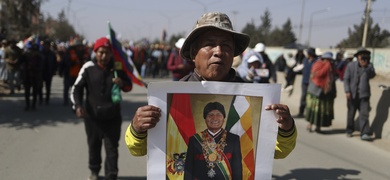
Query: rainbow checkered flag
column 240, row 122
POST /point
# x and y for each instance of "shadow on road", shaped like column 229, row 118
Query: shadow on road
column 333, row 132
column 13, row 115
column 318, row 174
column 131, row 178
column 381, row 115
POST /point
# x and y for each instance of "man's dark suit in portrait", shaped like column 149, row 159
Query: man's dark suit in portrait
column 213, row 153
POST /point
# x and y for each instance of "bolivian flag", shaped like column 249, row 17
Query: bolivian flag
column 180, row 127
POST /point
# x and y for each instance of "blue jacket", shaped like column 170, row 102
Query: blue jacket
column 307, row 69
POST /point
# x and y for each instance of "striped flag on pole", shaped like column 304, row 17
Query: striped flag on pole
column 123, row 60
column 180, row 127
column 240, row 122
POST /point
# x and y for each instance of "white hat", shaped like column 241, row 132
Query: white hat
column 180, row 42
column 319, row 52
column 253, row 58
column 260, row 47
column 20, row 44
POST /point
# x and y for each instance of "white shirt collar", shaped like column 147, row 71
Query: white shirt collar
column 214, row 133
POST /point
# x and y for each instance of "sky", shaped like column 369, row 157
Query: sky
column 324, row 22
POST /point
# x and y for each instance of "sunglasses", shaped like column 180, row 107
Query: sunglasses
column 365, row 57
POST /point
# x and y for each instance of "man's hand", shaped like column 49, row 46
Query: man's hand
column 118, row 81
column 146, row 118
column 284, row 120
column 349, row 96
column 79, row 112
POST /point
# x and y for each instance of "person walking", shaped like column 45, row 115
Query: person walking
column 12, row 56
column 74, row 59
column 342, row 66
column 211, row 45
column 32, row 67
column 49, row 70
column 307, row 64
column 267, row 70
column 321, row 94
column 176, row 64
column 102, row 116
column 3, row 71
column 357, row 90
column 293, row 71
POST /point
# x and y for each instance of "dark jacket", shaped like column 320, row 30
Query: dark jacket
column 32, row 67
column 271, row 69
column 49, row 65
column 98, row 84
column 196, row 167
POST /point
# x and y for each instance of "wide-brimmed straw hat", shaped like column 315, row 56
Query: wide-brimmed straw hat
column 214, row 20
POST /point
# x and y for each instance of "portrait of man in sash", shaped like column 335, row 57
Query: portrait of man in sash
column 211, row 136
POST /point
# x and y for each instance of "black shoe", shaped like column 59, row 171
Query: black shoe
column 318, row 130
column 349, row 134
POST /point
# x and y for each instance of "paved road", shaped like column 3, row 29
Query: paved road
column 50, row 143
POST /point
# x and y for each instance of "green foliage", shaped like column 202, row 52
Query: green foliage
column 284, row 36
column 22, row 18
column 17, row 17
column 375, row 36
column 251, row 30
column 62, row 30
column 270, row 37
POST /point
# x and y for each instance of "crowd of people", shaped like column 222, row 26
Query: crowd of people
column 31, row 65
column 212, row 51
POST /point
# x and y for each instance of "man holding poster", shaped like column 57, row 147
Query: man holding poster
column 211, row 45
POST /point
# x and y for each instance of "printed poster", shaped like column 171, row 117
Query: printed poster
column 244, row 147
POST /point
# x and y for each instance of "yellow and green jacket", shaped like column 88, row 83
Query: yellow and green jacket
column 285, row 142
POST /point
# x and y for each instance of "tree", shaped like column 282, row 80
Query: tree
column 63, row 31
column 251, row 31
column 282, row 37
column 265, row 27
column 21, row 17
column 375, row 36
column 270, row 37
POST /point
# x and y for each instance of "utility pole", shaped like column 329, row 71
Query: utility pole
column 301, row 25
column 311, row 23
column 234, row 19
column 366, row 19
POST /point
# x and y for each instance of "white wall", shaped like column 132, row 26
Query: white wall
column 380, row 57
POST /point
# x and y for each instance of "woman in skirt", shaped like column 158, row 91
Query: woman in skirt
column 321, row 94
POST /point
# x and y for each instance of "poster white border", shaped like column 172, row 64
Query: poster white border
column 157, row 96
